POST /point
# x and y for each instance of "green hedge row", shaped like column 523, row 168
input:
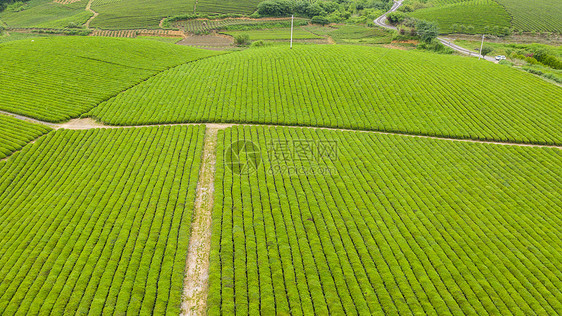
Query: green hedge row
column 98, row 221
column 404, row 225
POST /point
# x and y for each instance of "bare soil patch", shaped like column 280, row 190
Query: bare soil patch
column 208, row 41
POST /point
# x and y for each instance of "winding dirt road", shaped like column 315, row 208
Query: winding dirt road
column 381, row 21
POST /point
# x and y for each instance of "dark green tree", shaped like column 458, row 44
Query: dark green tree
column 486, row 50
column 427, row 31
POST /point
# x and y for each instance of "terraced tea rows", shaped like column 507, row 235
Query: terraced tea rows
column 468, row 17
column 65, row 1
column 135, row 33
column 537, row 15
column 226, row 6
column 137, row 14
column 54, row 79
column 349, row 87
column 206, row 25
column 47, row 14
column 275, row 34
column 98, row 221
column 14, row 134
column 399, row 225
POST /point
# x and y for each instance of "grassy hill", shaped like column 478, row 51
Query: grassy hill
column 349, row 87
column 398, row 226
column 58, row 78
column 469, row 17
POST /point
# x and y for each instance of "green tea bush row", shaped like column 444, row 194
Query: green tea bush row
column 98, row 221
column 14, row 134
column 54, row 79
column 403, row 225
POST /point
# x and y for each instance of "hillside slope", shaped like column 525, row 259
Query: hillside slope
column 349, row 87
column 54, row 79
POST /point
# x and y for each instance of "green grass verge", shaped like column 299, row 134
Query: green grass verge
column 98, row 221
column 401, row 226
column 350, row 87
column 57, row 78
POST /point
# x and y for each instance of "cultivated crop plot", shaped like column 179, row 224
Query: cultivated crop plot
column 54, row 79
column 349, row 87
column 538, row 15
column 98, row 221
column 473, row 17
column 14, row 134
column 402, row 225
column 300, row 158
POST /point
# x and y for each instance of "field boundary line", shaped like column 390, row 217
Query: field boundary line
column 196, row 285
column 88, row 123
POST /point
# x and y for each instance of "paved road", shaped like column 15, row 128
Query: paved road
column 381, row 21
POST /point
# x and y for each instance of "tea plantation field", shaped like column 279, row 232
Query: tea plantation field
column 57, row 78
column 14, row 134
column 349, row 87
column 125, row 14
column 468, row 17
column 399, row 226
column 98, row 221
column 537, row 15
column 491, row 16
column 275, row 34
column 119, row 14
column 47, row 14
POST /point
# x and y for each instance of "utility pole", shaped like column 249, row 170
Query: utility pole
column 481, row 45
column 292, row 19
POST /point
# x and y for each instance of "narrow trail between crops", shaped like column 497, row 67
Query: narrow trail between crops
column 88, row 123
column 381, row 21
column 89, row 8
column 196, row 284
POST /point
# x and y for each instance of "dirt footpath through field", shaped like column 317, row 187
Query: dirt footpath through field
column 197, row 266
